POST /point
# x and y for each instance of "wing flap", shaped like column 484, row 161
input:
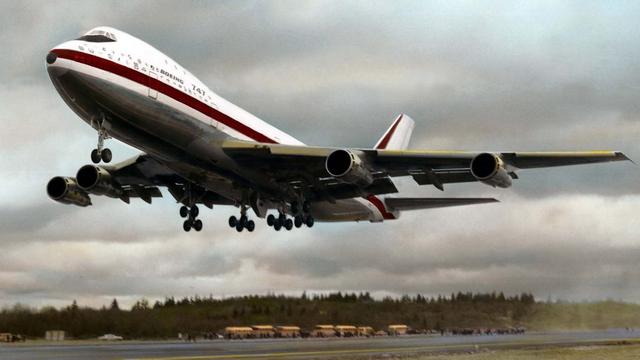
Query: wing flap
column 399, row 204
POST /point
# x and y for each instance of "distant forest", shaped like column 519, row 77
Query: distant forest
column 167, row 318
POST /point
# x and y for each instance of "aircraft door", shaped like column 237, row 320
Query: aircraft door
column 152, row 92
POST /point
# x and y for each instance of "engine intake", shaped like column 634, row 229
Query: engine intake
column 65, row 190
column 97, row 180
column 489, row 169
column 349, row 167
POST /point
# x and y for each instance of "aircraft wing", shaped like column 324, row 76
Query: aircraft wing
column 426, row 167
column 141, row 175
column 394, row 203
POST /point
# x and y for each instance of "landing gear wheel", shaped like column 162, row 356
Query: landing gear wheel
column 106, row 155
column 184, row 211
column 250, row 225
column 233, row 221
column 197, row 225
column 295, row 207
column 288, row 224
column 306, row 207
column 309, row 221
column 194, row 211
column 297, row 221
column 271, row 220
column 186, row 225
column 243, row 220
column 239, row 227
column 277, row 225
column 95, row 157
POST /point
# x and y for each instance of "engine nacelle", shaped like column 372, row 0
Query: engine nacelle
column 65, row 190
column 97, row 180
column 489, row 169
column 349, row 167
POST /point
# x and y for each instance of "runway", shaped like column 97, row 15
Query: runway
column 303, row 348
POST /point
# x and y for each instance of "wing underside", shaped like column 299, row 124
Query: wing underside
column 400, row 204
column 307, row 165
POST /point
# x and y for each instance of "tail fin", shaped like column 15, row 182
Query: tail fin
column 398, row 135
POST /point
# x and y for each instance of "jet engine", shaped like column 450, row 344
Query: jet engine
column 65, row 190
column 349, row 167
column 489, row 169
column 97, row 180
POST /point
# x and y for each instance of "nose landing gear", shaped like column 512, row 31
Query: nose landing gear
column 99, row 153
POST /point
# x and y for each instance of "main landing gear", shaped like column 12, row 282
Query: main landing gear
column 242, row 222
column 302, row 217
column 99, row 153
column 192, row 222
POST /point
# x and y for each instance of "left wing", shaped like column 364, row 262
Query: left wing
column 395, row 204
column 308, row 164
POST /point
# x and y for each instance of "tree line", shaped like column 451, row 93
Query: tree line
column 197, row 314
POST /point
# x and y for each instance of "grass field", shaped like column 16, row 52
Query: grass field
column 608, row 352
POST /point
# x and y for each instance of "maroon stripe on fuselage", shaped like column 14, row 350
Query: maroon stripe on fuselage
column 155, row 84
column 380, row 206
column 385, row 140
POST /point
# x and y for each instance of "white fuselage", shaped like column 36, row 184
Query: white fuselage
column 144, row 98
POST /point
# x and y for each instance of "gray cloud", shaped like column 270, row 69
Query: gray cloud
column 503, row 76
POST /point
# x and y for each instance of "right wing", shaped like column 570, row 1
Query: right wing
column 141, row 176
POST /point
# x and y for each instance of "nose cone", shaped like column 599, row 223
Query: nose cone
column 51, row 57
column 55, row 67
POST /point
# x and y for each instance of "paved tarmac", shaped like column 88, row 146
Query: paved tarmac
column 303, row 348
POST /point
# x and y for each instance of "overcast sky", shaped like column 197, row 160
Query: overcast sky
column 539, row 75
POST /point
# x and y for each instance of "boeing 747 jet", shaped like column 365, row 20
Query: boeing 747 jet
column 208, row 151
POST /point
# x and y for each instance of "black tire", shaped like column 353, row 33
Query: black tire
column 95, row 158
column 297, row 221
column 250, row 225
column 295, row 207
column 194, row 211
column 186, row 225
column 106, row 155
column 277, row 225
column 288, row 224
column 197, row 225
column 271, row 220
column 184, row 211
column 306, row 207
column 309, row 221
column 239, row 227
column 233, row 221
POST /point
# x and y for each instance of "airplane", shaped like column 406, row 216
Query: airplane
column 205, row 150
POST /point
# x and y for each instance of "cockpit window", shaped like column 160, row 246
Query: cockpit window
column 98, row 36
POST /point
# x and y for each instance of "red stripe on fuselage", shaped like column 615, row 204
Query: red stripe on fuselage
column 380, row 206
column 155, row 84
column 385, row 140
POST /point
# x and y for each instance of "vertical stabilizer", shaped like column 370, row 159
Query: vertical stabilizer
column 398, row 135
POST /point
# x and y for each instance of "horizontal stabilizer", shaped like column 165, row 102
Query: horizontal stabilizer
column 394, row 203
